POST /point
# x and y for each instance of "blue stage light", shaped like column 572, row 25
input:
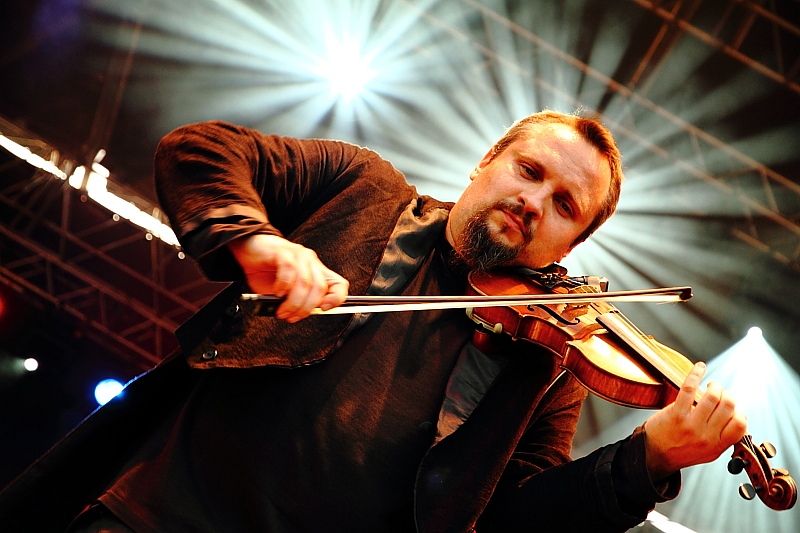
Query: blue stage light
column 107, row 389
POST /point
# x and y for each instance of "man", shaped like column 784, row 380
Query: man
column 389, row 421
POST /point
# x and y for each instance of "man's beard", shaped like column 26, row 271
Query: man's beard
column 480, row 250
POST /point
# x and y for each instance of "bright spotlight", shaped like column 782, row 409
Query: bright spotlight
column 755, row 332
column 345, row 69
column 107, row 389
column 30, row 364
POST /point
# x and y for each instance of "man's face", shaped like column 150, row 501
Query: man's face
column 528, row 204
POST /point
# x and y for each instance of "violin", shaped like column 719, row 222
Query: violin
column 573, row 317
column 612, row 358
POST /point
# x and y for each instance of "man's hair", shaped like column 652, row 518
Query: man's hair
column 596, row 134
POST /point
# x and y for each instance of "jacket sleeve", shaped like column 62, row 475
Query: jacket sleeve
column 543, row 490
column 217, row 181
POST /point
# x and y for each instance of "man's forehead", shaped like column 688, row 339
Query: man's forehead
column 550, row 130
column 553, row 144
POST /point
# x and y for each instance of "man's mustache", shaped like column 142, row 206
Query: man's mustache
column 518, row 210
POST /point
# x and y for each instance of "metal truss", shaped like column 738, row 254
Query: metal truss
column 769, row 53
column 128, row 290
column 767, row 200
column 735, row 26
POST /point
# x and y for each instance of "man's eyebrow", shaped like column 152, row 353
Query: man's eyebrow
column 531, row 161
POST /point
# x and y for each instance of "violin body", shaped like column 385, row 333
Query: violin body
column 586, row 349
column 612, row 358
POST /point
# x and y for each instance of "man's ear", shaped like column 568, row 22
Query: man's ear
column 482, row 163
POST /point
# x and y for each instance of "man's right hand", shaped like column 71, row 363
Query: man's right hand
column 273, row 265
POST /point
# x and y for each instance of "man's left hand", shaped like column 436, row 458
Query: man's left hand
column 686, row 433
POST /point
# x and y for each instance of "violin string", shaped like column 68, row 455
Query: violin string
column 657, row 358
column 670, row 370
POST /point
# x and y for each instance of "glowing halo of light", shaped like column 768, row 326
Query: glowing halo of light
column 345, row 68
column 106, row 390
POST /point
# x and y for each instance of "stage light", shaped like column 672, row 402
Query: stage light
column 30, row 364
column 345, row 68
column 24, row 153
column 96, row 187
column 106, row 390
column 755, row 332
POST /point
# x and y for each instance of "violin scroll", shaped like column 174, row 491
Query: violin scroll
column 774, row 486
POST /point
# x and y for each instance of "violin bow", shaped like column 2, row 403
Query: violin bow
column 383, row 304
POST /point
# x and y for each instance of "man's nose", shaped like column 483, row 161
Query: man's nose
column 533, row 201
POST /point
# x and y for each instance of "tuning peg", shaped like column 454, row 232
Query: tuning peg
column 736, row 465
column 747, row 491
column 768, row 449
column 780, row 472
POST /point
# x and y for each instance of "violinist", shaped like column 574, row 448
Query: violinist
column 390, row 422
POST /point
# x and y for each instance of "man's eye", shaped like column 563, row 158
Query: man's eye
column 565, row 207
column 531, row 173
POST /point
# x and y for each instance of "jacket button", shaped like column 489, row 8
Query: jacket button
column 209, row 354
column 232, row 309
